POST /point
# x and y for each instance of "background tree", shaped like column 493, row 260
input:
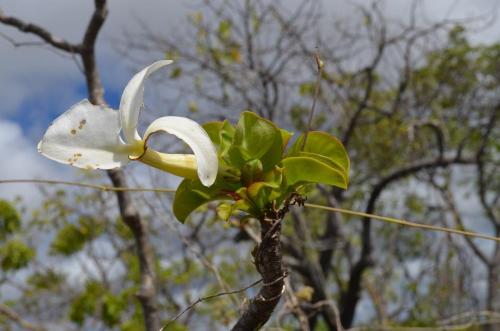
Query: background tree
column 415, row 104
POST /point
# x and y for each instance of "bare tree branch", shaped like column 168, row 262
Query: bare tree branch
column 147, row 294
column 351, row 296
column 13, row 316
column 41, row 33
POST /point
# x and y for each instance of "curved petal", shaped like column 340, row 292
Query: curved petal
column 196, row 138
column 86, row 136
column 132, row 101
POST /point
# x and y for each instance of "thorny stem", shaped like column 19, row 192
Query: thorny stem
column 268, row 262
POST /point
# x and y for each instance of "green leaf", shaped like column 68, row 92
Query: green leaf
column 324, row 159
column 307, row 89
column 221, row 134
column 285, row 137
column 191, row 194
column 193, row 106
column 323, row 144
column 302, row 170
column 10, row 221
column 274, row 178
column 224, row 211
column 46, row 280
column 172, row 55
column 86, row 302
column 176, row 73
column 256, row 139
column 244, row 206
column 15, row 255
column 224, row 31
column 251, row 172
column 71, row 238
column 112, row 308
column 259, row 193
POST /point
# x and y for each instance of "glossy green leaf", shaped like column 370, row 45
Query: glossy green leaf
column 191, row 194
column 302, row 170
column 323, row 144
column 256, row 138
column 251, row 172
column 221, row 134
column 285, row 137
column 259, row 193
column 324, row 159
column 274, row 178
column 244, row 206
column 224, row 211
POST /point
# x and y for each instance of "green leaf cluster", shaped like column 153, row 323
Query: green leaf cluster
column 71, row 238
column 47, row 280
column 96, row 300
column 10, row 221
column 256, row 170
column 15, row 255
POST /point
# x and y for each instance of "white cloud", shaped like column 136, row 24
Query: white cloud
column 20, row 159
column 35, row 73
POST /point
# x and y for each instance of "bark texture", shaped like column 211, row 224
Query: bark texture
column 268, row 261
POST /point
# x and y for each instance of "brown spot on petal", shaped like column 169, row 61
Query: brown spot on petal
column 82, row 123
column 73, row 131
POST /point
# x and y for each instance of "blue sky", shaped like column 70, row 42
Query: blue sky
column 38, row 84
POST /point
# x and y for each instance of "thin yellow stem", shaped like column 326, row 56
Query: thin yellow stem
column 403, row 222
column 93, row 186
column 309, row 205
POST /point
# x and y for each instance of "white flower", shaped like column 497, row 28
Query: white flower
column 88, row 136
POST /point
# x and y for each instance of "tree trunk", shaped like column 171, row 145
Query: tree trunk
column 268, row 261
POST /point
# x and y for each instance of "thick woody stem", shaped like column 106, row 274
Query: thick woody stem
column 147, row 293
column 268, row 261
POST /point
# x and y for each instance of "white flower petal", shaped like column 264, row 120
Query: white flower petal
column 86, row 136
column 132, row 101
column 196, row 138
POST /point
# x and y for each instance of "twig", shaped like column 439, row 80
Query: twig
column 404, row 222
column 209, row 297
column 309, row 205
column 458, row 327
column 41, row 33
column 335, row 309
column 94, row 186
column 21, row 43
column 12, row 315
column 319, row 66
